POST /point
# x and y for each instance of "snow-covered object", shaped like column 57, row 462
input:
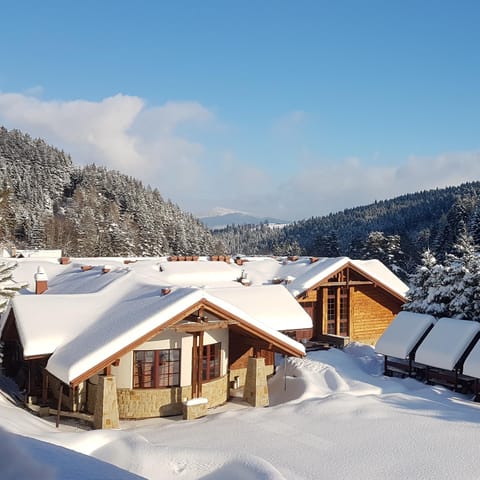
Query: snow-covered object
column 128, row 320
column 446, row 342
column 272, row 305
column 199, row 273
column 471, row 366
column 403, row 334
column 40, row 275
column 326, row 267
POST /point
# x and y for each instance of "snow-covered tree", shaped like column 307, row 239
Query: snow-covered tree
column 463, row 276
column 419, row 283
column 8, row 287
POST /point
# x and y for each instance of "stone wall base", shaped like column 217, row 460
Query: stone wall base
column 255, row 391
column 106, row 405
column 164, row 402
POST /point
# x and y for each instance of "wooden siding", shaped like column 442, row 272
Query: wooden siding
column 372, row 311
column 240, row 350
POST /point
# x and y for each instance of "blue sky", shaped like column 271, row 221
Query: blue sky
column 289, row 109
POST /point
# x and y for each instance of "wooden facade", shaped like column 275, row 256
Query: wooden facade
column 348, row 306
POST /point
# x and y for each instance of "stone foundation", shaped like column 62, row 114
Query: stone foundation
column 163, row 402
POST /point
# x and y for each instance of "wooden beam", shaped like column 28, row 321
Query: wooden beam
column 199, row 326
column 200, row 364
column 346, row 283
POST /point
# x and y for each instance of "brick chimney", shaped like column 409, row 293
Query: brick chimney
column 41, row 281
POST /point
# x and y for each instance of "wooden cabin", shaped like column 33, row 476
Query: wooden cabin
column 351, row 304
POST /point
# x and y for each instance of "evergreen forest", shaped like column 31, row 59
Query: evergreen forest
column 48, row 202
column 396, row 231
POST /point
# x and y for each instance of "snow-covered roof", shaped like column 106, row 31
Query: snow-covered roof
column 46, row 321
column 86, row 316
column 405, row 331
column 305, row 274
column 199, row 273
column 128, row 320
column 446, row 342
column 272, row 305
column 471, row 366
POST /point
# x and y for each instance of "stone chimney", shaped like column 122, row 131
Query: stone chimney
column 41, row 281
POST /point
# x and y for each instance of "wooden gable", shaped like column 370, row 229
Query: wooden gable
column 350, row 304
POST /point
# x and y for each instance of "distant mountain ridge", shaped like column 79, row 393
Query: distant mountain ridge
column 395, row 231
column 229, row 217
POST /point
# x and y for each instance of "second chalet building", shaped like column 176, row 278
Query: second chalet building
column 347, row 300
column 150, row 335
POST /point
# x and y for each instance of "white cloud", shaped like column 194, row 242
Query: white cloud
column 120, row 132
column 330, row 187
column 91, row 131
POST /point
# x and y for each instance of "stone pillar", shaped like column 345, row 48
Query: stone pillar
column 255, row 391
column 106, row 404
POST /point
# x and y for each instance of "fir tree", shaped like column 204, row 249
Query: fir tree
column 419, row 282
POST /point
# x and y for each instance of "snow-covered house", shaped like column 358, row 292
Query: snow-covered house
column 162, row 332
column 348, row 300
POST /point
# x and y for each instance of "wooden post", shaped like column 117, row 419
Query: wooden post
column 194, row 365
column 200, row 364
column 60, row 393
column 44, row 386
column 28, row 383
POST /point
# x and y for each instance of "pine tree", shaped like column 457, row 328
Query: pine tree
column 419, row 283
column 463, row 268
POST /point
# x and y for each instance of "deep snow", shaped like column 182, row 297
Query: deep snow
column 339, row 418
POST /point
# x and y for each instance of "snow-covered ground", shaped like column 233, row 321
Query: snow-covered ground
column 333, row 416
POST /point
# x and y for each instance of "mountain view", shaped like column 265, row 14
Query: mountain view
column 240, row 240
column 48, row 202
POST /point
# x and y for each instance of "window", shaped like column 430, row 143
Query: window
column 337, row 311
column 344, row 306
column 156, row 368
column 331, row 311
column 211, row 361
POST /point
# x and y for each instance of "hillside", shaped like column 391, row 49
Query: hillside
column 48, row 202
column 396, row 231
